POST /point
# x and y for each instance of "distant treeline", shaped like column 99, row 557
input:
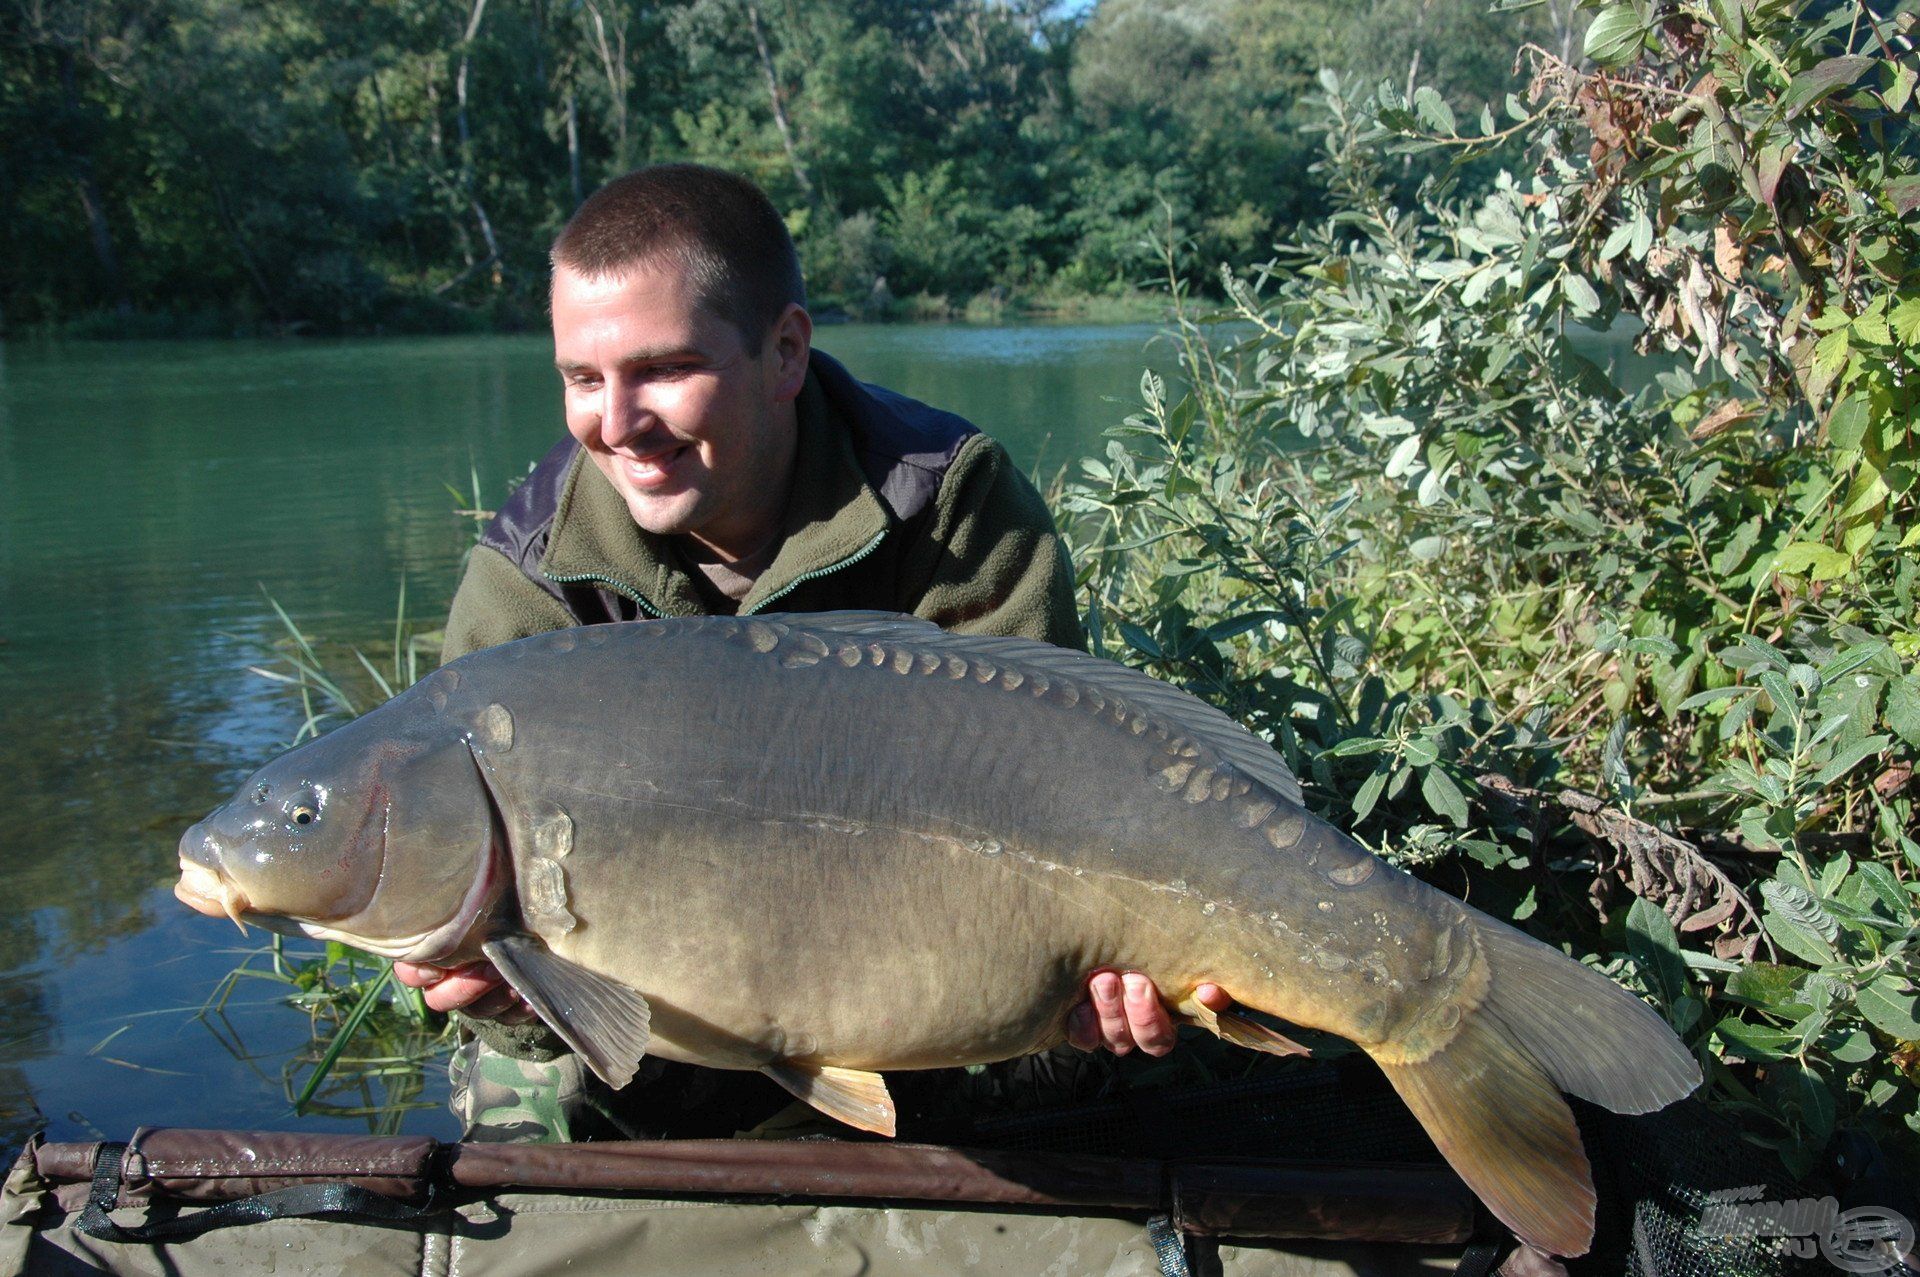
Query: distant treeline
column 310, row 165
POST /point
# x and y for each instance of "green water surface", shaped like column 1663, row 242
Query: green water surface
column 151, row 497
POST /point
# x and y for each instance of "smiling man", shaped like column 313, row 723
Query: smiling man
column 716, row 463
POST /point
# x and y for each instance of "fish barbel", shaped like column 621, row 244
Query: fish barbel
column 824, row 846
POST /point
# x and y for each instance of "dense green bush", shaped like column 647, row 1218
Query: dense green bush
column 1636, row 668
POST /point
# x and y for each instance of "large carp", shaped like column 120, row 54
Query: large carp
column 823, row 846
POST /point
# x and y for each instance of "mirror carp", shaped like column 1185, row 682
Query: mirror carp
column 825, row 846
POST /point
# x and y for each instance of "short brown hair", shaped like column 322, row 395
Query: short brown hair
column 718, row 227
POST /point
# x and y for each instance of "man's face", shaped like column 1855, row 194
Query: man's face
column 694, row 432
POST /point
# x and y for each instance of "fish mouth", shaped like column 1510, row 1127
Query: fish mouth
column 208, row 891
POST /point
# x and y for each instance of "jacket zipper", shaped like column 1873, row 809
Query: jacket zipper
column 622, row 587
column 816, row 574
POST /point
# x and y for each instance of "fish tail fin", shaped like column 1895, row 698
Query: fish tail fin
column 1490, row 1093
column 1501, row 1123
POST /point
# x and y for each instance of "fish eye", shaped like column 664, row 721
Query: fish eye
column 303, row 814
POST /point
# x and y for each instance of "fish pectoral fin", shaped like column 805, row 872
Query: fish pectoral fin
column 603, row 1020
column 858, row 1098
column 1241, row 1030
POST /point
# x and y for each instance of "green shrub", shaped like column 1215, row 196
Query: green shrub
column 1634, row 669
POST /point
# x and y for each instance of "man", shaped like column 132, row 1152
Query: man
column 715, row 463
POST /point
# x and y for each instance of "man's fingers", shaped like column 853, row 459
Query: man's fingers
column 1083, row 1027
column 461, row 987
column 416, row 975
column 1106, row 991
column 1149, row 1025
column 1212, row 997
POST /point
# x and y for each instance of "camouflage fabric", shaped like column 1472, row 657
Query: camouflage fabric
column 502, row 1100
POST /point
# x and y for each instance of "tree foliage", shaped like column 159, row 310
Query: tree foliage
column 299, row 164
column 1635, row 668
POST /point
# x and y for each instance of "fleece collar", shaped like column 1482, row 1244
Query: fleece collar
column 833, row 518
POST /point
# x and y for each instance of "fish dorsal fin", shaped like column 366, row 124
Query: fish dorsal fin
column 1159, row 701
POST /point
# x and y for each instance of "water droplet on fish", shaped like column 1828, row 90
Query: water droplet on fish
column 1178, row 884
column 986, row 847
column 1079, row 873
column 1324, row 906
column 1209, row 908
column 563, row 641
column 1329, row 961
column 495, row 728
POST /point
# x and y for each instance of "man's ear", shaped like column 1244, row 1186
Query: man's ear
column 792, row 339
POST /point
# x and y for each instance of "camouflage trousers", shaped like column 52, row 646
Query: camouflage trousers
column 503, row 1100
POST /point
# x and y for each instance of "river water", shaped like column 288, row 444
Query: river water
column 152, row 498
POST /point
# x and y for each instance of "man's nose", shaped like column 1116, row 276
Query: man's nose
column 623, row 415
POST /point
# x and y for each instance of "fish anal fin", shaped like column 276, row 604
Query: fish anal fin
column 1241, row 1030
column 1502, row 1124
column 604, row 1021
column 853, row 1096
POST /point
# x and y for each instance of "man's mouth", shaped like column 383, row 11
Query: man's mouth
column 655, row 469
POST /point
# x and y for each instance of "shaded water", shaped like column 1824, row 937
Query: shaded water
column 149, row 494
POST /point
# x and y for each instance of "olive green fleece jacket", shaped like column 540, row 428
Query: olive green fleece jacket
column 985, row 558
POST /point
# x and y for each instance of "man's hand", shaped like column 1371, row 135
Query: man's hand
column 1123, row 1011
column 477, row 989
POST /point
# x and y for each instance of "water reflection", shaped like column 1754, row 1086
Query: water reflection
column 151, row 495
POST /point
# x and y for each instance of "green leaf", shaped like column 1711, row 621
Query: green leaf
column 1443, row 796
column 1369, row 794
column 1797, row 922
column 1850, row 1047
column 1433, row 110
column 1580, row 293
column 1905, row 318
column 1850, row 757
column 1903, row 709
column 1765, row 984
column 1889, row 1008
column 1140, row 640
column 1827, row 77
column 1905, row 194
column 1759, row 1043
column 1656, row 951
column 1811, row 559
column 1713, row 695
column 1847, row 423
column 1614, row 36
